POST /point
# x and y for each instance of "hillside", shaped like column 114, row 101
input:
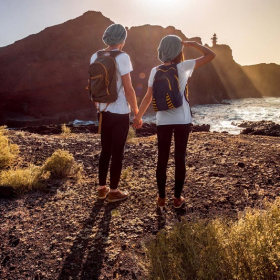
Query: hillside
column 265, row 77
column 43, row 76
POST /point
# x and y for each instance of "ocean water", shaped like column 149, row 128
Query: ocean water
column 226, row 117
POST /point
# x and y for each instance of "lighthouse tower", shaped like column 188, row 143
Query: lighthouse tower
column 214, row 40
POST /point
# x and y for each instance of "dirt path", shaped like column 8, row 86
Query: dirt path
column 63, row 232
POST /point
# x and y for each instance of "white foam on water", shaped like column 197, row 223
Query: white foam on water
column 226, row 117
column 77, row 123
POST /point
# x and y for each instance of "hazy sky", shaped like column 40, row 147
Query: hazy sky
column 250, row 27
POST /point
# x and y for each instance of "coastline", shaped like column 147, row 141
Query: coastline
column 263, row 127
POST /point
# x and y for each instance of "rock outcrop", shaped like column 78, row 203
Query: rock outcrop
column 43, row 77
column 267, row 128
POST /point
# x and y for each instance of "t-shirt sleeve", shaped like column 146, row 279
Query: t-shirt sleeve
column 187, row 67
column 94, row 56
column 151, row 78
column 124, row 64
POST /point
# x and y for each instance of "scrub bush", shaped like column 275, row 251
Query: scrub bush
column 8, row 151
column 21, row 180
column 248, row 248
column 62, row 164
column 65, row 130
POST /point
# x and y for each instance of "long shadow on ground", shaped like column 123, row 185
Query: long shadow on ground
column 86, row 255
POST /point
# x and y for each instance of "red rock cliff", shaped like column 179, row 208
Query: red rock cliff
column 43, row 77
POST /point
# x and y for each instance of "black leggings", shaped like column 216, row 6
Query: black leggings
column 181, row 136
column 114, row 132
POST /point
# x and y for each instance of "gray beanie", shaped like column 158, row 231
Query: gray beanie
column 114, row 35
column 170, row 46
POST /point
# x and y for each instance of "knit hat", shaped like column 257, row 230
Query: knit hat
column 114, row 35
column 170, row 46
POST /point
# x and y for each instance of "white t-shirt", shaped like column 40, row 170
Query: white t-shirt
column 180, row 115
column 124, row 66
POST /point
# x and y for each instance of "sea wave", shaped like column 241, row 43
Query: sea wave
column 227, row 116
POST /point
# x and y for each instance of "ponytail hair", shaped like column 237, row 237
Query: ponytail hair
column 179, row 58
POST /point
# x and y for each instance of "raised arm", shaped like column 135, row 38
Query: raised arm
column 130, row 93
column 208, row 55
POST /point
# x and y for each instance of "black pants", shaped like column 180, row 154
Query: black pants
column 181, row 136
column 114, row 130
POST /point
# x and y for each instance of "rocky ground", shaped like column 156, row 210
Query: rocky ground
column 64, row 232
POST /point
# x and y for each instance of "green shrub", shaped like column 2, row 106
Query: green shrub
column 62, row 164
column 21, row 180
column 248, row 248
column 8, row 151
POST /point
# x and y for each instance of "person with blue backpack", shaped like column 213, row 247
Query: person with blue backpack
column 167, row 89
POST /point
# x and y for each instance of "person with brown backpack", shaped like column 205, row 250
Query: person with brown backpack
column 112, row 92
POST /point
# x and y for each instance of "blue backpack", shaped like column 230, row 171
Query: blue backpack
column 166, row 90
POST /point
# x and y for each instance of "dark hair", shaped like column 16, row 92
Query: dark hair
column 179, row 58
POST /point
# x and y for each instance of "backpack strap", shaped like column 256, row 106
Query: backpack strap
column 186, row 93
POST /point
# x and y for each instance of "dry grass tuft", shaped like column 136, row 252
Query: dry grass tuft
column 22, row 180
column 246, row 249
column 62, row 164
column 131, row 135
column 3, row 129
column 9, row 151
column 126, row 173
column 65, row 130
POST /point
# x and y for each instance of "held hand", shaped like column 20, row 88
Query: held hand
column 137, row 123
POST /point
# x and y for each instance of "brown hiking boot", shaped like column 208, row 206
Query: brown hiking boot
column 117, row 196
column 103, row 193
column 160, row 202
column 178, row 202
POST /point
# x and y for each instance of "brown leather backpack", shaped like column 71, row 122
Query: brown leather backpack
column 103, row 77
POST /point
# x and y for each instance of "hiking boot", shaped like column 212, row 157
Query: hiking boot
column 160, row 202
column 103, row 193
column 117, row 196
column 178, row 202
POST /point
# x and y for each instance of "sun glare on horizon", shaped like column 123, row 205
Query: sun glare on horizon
column 162, row 6
column 250, row 28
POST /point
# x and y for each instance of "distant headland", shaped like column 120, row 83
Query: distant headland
column 43, row 76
